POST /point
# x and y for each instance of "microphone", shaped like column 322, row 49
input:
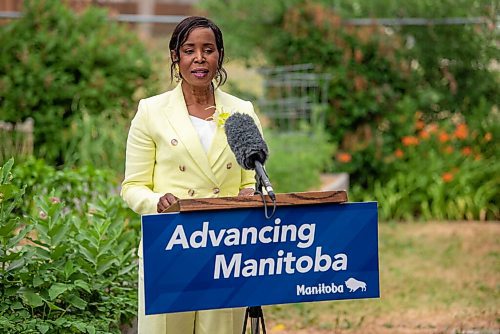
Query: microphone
column 248, row 146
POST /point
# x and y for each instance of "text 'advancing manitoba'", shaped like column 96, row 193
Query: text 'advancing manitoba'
column 281, row 262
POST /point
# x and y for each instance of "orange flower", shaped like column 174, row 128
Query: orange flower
column 462, row 131
column 424, row 134
column 447, row 177
column 448, row 149
column 344, row 157
column 399, row 153
column 466, row 151
column 443, row 137
column 488, row 136
column 409, row 141
column 419, row 125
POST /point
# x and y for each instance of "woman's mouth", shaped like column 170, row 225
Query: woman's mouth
column 200, row 73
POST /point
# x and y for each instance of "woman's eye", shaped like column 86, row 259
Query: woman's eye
column 188, row 51
column 208, row 50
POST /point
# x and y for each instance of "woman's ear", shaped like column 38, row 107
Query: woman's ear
column 173, row 55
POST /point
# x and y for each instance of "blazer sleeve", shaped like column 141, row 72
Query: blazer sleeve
column 247, row 179
column 137, row 186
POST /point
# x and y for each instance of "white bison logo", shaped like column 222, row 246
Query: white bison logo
column 354, row 284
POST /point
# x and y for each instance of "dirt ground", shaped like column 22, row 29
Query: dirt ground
column 422, row 324
column 408, row 323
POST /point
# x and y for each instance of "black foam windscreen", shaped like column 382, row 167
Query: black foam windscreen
column 245, row 140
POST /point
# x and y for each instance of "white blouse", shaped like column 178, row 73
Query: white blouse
column 206, row 131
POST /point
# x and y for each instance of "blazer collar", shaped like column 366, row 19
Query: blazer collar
column 178, row 117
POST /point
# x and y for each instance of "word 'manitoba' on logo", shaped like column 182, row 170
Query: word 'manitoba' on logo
column 319, row 289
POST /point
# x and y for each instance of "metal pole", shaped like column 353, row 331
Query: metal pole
column 409, row 21
column 146, row 7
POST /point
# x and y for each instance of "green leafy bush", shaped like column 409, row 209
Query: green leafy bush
column 68, row 267
column 78, row 187
column 56, row 64
column 296, row 159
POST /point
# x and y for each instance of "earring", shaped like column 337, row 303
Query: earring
column 177, row 73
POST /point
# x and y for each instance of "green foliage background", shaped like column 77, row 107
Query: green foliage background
column 390, row 83
column 297, row 159
column 58, row 66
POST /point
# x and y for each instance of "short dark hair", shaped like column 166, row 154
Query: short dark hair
column 180, row 35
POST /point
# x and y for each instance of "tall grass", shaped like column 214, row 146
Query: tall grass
column 97, row 140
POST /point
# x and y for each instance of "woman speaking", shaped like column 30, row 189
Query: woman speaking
column 177, row 149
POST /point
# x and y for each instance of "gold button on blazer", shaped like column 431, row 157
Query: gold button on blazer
column 162, row 138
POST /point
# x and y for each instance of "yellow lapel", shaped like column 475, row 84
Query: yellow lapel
column 219, row 144
column 178, row 117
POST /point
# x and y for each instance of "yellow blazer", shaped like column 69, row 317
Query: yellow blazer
column 164, row 154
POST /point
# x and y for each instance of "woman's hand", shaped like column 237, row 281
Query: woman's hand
column 246, row 192
column 165, row 201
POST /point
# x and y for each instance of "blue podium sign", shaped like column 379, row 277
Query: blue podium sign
column 237, row 258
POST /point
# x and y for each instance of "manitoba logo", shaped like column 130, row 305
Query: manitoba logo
column 330, row 288
column 353, row 285
column 319, row 289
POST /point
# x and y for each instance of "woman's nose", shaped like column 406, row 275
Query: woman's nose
column 199, row 57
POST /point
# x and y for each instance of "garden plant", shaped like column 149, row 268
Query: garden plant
column 67, row 251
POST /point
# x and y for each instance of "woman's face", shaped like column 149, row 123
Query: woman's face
column 199, row 57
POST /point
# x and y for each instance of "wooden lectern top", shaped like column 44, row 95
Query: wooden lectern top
column 223, row 203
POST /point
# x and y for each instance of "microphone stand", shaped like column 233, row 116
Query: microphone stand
column 255, row 312
column 256, row 319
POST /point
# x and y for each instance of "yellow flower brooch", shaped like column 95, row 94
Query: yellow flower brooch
column 220, row 116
